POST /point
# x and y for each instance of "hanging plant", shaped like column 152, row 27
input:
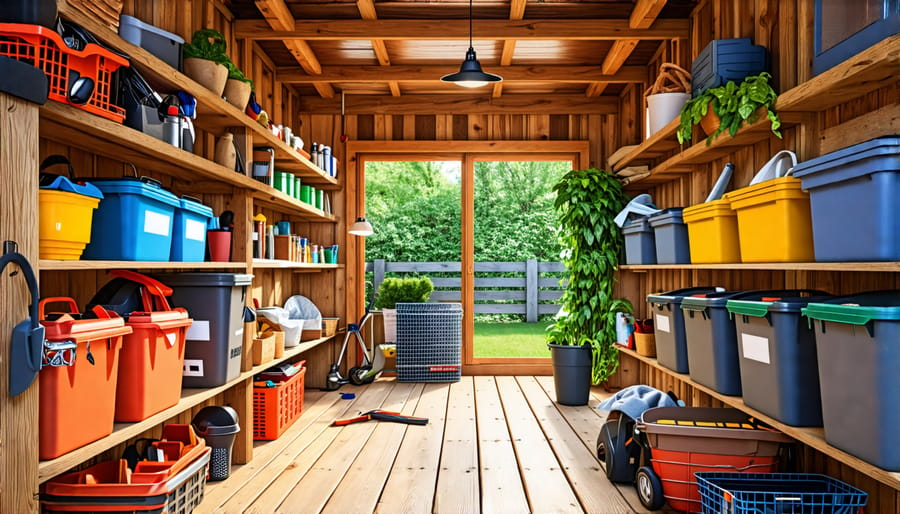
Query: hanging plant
column 587, row 202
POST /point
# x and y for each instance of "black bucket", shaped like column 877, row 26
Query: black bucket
column 571, row 373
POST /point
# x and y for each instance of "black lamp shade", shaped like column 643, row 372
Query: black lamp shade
column 470, row 73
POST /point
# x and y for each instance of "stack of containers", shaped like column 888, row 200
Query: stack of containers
column 668, row 321
column 66, row 212
column 79, row 377
column 152, row 359
column 853, row 194
column 777, row 351
column 859, row 356
column 670, row 233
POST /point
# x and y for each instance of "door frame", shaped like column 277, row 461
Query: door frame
column 468, row 152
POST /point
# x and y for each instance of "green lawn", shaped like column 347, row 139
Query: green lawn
column 511, row 339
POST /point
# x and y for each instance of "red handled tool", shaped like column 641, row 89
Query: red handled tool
column 382, row 415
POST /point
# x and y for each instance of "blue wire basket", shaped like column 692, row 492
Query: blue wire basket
column 777, row 493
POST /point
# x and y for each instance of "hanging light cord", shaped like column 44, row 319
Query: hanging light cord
column 470, row 24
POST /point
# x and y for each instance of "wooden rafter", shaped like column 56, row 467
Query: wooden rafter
column 516, row 12
column 642, row 17
column 443, row 30
column 431, row 104
column 430, row 73
column 278, row 17
column 367, row 11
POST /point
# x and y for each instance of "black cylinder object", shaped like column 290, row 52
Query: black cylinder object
column 217, row 426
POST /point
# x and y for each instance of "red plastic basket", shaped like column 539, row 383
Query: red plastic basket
column 276, row 408
column 44, row 48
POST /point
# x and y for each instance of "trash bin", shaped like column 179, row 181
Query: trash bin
column 217, row 426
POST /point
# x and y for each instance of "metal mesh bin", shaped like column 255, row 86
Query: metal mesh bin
column 429, row 342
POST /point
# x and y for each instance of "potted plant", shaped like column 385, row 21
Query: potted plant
column 205, row 58
column 399, row 290
column 581, row 340
column 238, row 87
column 726, row 107
column 667, row 95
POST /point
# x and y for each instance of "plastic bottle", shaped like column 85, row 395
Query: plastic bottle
column 314, row 153
column 171, row 126
column 326, row 160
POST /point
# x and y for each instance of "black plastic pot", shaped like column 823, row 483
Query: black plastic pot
column 571, row 373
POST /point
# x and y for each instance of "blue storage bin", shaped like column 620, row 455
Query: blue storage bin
column 726, row 59
column 640, row 245
column 133, row 222
column 189, row 230
column 854, row 196
column 751, row 493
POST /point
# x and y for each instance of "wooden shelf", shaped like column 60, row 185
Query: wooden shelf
column 215, row 115
column 189, row 398
column 48, row 265
column 657, row 145
column 280, row 264
column 813, row 437
column 777, row 266
column 275, row 198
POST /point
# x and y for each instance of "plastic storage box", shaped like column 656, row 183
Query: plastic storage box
column 713, row 232
column 429, row 342
column 640, row 245
column 777, row 354
column 189, row 230
column 686, row 440
column 276, row 408
column 726, row 59
column 741, row 493
column 859, row 358
column 711, row 343
column 77, row 396
column 66, row 212
column 668, row 321
column 162, row 44
column 670, row 232
column 212, row 356
column 853, row 195
column 134, row 221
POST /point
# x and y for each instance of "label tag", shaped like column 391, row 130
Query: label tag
column 662, row 323
column 156, row 223
column 198, row 331
column 195, row 230
column 755, row 348
column 193, row 368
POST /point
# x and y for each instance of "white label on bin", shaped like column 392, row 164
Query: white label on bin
column 755, row 348
column 172, row 338
column 156, row 223
column 198, row 331
column 194, row 230
column 239, row 332
column 193, row 368
column 662, row 323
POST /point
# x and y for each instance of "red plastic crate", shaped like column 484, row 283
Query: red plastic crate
column 44, row 48
column 276, row 408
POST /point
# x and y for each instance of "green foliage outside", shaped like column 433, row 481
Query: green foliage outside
column 395, row 290
column 511, row 339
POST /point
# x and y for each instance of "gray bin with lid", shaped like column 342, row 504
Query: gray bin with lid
column 777, row 353
column 858, row 348
column 218, row 427
column 161, row 43
column 671, row 235
column 212, row 355
column 668, row 322
column 640, row 245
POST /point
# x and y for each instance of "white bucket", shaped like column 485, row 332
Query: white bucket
column 663, row 108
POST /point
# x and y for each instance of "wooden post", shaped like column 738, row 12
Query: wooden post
column 18, row 222
column 531, row 291
column 240, row 398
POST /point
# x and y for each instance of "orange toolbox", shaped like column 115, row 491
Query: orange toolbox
column 277, row 402
column 172, row 483
column 78, row 377
column 152, row 360
column 65, row 67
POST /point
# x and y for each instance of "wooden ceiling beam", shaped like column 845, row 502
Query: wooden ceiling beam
column 367, row 12
column 467, row 103
column 645, row 12
column 445, row 30
column 276, row 14
column 430, row 73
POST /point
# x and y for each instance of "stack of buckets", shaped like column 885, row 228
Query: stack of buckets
column 66, row 210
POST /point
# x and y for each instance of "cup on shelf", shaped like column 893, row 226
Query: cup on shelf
column 219, row 242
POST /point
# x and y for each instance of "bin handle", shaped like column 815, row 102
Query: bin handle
column 53, row 160
column 192, row 198
column 157, row 289
column 73, row 306
column 152, row 181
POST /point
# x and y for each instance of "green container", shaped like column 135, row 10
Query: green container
column 297, row 186
column 320, row 198
column 306, row 194
column 278, row 181
column 289, row 184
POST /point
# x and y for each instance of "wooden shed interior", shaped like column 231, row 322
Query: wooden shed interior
column 364, row 77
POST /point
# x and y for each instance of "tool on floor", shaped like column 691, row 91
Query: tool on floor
column 28, row 336
column 381, row 415
column 371, row 367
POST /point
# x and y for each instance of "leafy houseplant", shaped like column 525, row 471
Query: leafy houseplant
column 396, row 290
column 207, row 62
column 733, row 103
column 587, row 201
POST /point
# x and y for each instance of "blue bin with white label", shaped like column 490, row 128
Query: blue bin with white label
column 133, row 222
column 189, row 230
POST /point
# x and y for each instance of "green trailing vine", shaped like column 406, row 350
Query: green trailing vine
column 734, row 104
column 587, row 202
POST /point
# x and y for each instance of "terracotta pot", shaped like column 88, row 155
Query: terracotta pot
column 209, row 74
column 237, row 93
column 710, row 122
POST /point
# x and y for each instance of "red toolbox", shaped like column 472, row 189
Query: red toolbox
column 173, row 484
column 78, row 378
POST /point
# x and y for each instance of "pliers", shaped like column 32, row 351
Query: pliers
column 382, row 415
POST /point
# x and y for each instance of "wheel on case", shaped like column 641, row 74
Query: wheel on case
column 649, row 488
column 358, row 375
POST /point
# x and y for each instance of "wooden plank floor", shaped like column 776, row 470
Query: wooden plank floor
column 492, row 445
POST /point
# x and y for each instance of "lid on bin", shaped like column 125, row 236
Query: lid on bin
column 759, row 303
column 216, row 420
column 675, row 297
column 857, row 309
column 835, row 166
column 704, row 300
column 667, row 217
column 194, row 205
column 145, row 187
column 200, row 279
column 61, row 183
column 637, row 225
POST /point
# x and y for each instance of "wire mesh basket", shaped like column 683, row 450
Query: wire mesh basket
column 429, row 342
column 783, row 493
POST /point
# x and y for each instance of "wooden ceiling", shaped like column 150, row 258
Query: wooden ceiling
column 401, row 48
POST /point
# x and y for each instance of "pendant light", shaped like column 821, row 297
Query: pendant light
column 361, row 227
column 470, row 73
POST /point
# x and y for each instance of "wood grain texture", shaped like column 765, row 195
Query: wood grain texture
column 458, row 489
column 880, row 122
column 429, row 73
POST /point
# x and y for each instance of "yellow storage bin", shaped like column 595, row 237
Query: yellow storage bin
column 64, row 223
column 774, row 221
column 713, row 232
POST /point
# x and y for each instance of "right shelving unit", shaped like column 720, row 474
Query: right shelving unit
column 854, row 101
